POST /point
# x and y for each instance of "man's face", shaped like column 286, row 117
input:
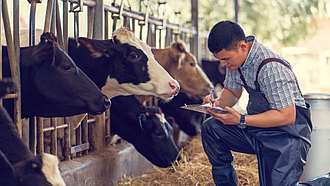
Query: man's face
column 232, row 59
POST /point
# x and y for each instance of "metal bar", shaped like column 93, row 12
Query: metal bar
column 133, row 25
column 49, row 11
column 67, row 144
column 53, row 134
column 40, row 136
column 16, row 28
column 78, row 140
column 58, row 25
column 65, row 24
column 106, row 25
column 98, row 20
column 32, row 24
column 84, row 131
column 14, row 66
column 141, row 16
column 46, row 129
column 10, row 96
column 53, row 18
column 90, row 12
column 0, row 47
column 79, row 148
column 32, row 134
column 76, row 25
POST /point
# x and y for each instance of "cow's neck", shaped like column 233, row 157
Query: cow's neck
column 164, row 58
column 96, row 69
column 10, row 143
column 113, row 89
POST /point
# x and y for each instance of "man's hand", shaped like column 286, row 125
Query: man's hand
column 230, row 118
column 207, row 99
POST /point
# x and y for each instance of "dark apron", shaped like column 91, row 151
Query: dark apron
column 277, row 147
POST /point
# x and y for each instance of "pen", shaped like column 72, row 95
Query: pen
column 212, row 97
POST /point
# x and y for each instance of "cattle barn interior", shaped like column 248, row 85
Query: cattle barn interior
column 116, row 147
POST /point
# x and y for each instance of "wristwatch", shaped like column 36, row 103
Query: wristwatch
column 242, row 123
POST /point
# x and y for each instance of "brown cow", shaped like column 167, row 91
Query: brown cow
column 183, row 66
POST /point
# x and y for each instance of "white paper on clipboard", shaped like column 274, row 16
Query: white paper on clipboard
column 202, row 108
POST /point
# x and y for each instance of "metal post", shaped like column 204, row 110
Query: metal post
column 90, row 23
column 196, row 47
column 14, row 66
column 48, row 15
column 65, row 24
column 236, row 10
column 98, row 20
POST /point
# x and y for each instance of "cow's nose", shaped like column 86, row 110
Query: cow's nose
column 106, row 101
column 173, row 85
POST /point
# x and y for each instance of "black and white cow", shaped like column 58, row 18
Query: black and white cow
column 144, row 127
column 18, row 166
column 189, row 121
column 123, row 65
column 51, row 84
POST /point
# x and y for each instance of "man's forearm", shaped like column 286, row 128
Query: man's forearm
column 229, row 97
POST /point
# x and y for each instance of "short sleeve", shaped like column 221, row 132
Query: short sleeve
column 232, row 81
column 277, row 83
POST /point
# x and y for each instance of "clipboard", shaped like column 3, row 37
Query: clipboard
column 202, row 108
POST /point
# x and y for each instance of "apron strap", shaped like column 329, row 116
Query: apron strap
column 264, row 62
column 242, row 77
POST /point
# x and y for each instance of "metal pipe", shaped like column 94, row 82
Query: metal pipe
column 32, row 23
column 98, row 20
column 90, row 12
column 14, row 67
column 65, row 24
column 49, row 11
column 58, row 25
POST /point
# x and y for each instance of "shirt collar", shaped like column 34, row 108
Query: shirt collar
column 252, row 52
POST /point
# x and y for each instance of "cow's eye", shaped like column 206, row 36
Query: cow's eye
column 134, row 56
column 192, row 64
column 66, row 67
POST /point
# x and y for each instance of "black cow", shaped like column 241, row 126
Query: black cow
column 52, row 85
column 189, row 121
column 18, row 166
column 123, row 65
column 214, row 71
column 144, row 127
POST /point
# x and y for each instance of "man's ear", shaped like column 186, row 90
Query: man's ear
column 97, row 48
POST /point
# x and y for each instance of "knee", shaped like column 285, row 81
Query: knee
column 208, row 127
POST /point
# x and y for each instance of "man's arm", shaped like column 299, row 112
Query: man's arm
column 228, row 97
column 271, row 118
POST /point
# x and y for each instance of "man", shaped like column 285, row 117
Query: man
column 277, row 126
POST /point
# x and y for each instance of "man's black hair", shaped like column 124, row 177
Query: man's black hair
column 225, row 35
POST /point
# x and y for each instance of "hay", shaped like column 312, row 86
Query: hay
column 194, row 169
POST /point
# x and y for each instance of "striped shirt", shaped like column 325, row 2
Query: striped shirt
column 276, row 81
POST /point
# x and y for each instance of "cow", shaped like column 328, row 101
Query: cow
column 18, row 166
column 144, row 127
column 123, row 65
column 51, row 83
column 183, row 66
column 214, row 71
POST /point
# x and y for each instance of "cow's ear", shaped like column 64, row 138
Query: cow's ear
column 44, row 52
column 179, row 46
column 6, row 171
column 97, row 48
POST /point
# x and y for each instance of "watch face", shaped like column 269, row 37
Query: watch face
column 241, row 125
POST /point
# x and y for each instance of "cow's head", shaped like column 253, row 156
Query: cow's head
column 159, row 134
column 41, row 170
column 183, row 66
column 133, row 68
column 144, row 127
column 57, row 86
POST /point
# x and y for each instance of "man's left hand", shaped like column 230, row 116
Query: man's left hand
column 230, row 118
